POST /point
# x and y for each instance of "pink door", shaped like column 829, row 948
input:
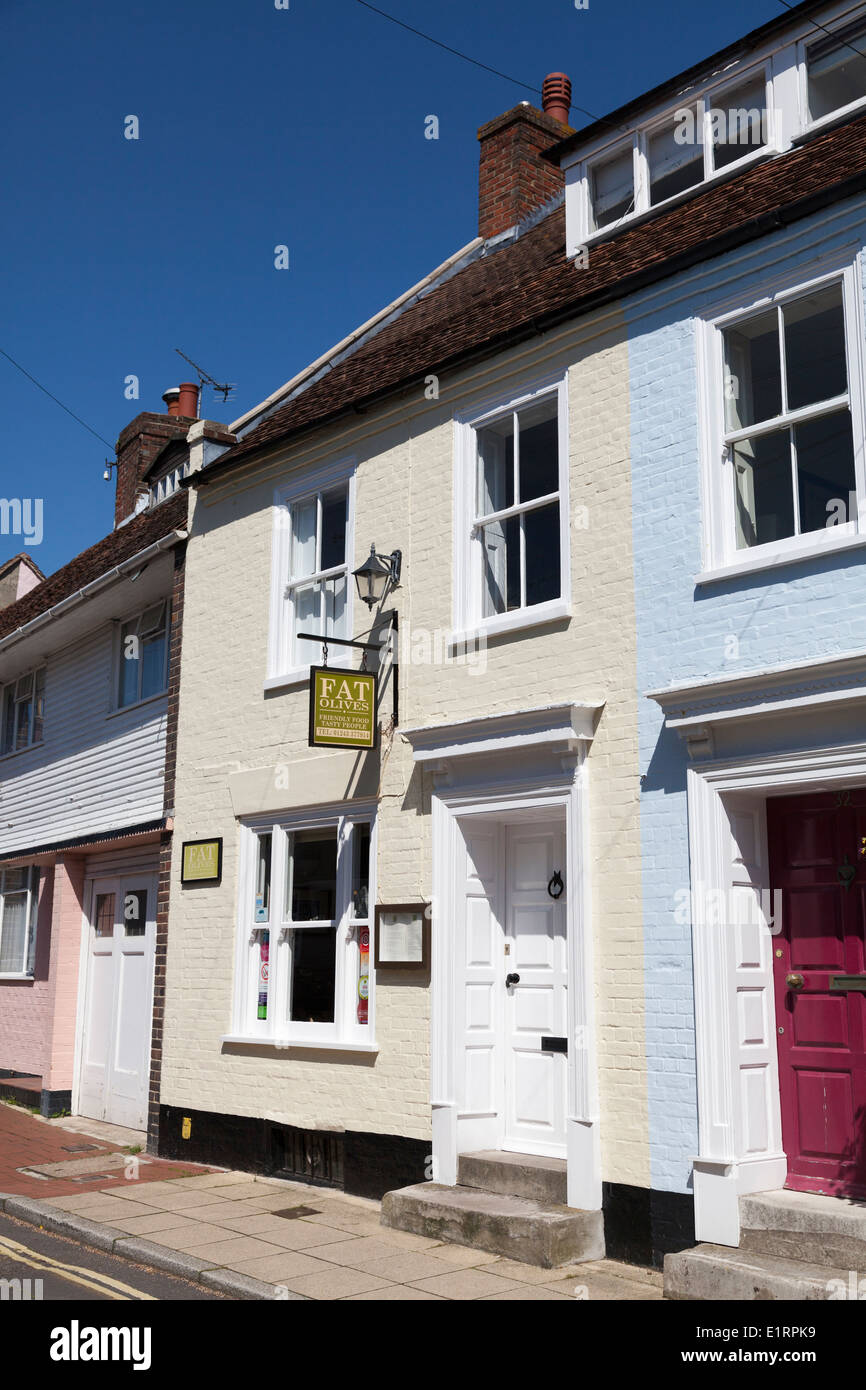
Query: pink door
column 818, row 860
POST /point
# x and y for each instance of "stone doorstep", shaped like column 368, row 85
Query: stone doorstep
column 798, row 1246
column 519, row 1175
column 531, row 1232
column 825, row 1231
column 715, row 1273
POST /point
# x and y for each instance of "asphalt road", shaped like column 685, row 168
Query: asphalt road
column 70, row 1272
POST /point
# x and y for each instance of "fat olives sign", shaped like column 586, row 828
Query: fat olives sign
column 342, row 708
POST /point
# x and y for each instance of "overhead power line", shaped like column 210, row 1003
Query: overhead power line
column 447, row 49
column 457, row 53
column 52, row 397
column 816, row 24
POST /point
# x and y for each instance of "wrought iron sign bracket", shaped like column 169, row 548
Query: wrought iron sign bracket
column 365, row 647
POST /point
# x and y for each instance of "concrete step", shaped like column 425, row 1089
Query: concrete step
column 515, row 1175
column 826, row 1231
column 537, row 1233
column 710, row 1273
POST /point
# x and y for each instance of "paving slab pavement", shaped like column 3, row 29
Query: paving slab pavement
column 335, row 1250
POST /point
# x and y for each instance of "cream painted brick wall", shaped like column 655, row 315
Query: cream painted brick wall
column 227, row 725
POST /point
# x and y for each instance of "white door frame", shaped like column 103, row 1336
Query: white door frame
column 724, row 1169
column 583, row 1155
column 91, row 879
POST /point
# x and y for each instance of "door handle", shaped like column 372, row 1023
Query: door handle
column 794, row 981
column 511, row 980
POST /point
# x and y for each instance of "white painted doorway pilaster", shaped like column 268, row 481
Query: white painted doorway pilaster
column 739, row 1112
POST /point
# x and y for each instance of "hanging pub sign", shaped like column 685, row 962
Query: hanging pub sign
column 201, row 861
column 343, row 708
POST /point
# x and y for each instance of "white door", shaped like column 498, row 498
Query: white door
column 536, row 990
column 118, row 1008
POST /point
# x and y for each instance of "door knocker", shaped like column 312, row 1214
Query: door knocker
column 846, row 872
column 555, row 886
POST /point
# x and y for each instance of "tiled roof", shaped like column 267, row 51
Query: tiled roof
column 112, row 550
column 527, row 285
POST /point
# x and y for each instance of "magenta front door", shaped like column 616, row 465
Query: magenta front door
column 818, row 860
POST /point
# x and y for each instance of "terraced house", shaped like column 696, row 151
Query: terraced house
column 89, row 663
column 575, row 942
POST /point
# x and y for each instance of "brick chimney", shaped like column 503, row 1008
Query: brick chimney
column 513, row 178
column 138, row 445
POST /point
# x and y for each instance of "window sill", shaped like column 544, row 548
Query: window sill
column 833, row 118
column 298, row 676
column 16, row 752
column 136, row 704
column 17, row 975
column 730, row 171
column 298, row 1044
column 752, row 563
column 504, row 623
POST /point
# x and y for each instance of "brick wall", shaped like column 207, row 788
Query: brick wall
column 25, row 1005
column 229, row 727
column 513, row 178
column 65, row 956
column 137, row 446
column 165, row 847
column 798, row 612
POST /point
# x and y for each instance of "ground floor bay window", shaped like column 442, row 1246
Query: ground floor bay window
column 304, row 928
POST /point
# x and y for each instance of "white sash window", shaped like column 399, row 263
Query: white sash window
column 305, row 932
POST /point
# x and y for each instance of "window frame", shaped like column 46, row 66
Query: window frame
column 468, row 622
column 31, row 930
column 277, row 1030
column 721, row 558
column 808, row 40
column 7, row 692
column 118, row 707
column 639, row 137
column 166, row 486
column 282, row 668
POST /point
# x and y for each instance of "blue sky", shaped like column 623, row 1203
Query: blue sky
column 258, row 127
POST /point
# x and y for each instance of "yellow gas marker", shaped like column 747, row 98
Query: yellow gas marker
column 76, row 1274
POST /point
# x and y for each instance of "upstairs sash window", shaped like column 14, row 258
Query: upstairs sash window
column 517, row 517
column 143, row 656
column 23, row 712
column 318, row 581
column 612, row 189
column 836, row 70
column 788, row 421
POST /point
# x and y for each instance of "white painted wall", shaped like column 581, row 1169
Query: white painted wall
column 95, row 770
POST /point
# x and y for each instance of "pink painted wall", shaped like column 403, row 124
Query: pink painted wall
column 37, row 1017
column 65, row 957
column 25, row 1005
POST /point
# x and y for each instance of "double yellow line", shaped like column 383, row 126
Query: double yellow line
column 73, row 1274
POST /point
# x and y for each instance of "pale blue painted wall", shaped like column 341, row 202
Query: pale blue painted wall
column 806, row 610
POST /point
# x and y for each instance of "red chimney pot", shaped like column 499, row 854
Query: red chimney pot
column 172, row 400
column 188, row 401
column 556, row 96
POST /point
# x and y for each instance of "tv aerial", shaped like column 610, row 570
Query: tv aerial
column 219, row 388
